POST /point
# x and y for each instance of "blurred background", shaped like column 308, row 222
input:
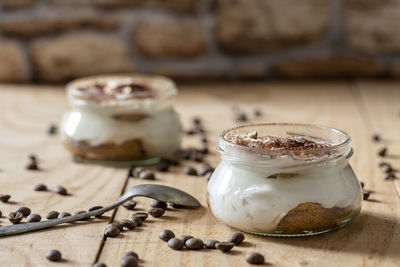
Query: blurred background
column 54, row 41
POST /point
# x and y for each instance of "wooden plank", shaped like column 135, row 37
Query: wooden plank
column 373, row 239
column 25, row 115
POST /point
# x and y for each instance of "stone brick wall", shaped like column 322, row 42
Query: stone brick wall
column 53, row 41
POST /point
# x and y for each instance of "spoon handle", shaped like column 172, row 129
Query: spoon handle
column 27, row 227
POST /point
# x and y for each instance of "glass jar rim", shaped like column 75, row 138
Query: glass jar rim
column 344, row 143
column 164, row 86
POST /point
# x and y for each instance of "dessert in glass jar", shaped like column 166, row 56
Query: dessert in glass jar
column 121, row 118
column 282, row 179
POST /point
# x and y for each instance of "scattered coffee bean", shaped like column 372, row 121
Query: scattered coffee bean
column 241, row 117
column 210, row 244
column 136, row 220
column 96, row 208
column 224, row 246
column 163, row 166
column 147, row 175
column 80, row 212
column 128, row 224
column 189, row 170
column 362, row 184
column 34, row 218
column 131, row 253
column 205, row 168
column 390, row 176
column 196, row 120
column 166, row 235
column 208, row 176
column 203, row 150
column 254, row 258
column 129, row 261
column 382, row 152
column 130, row 204
column 366, row 194
column 52, row 130
column 33, row 163
column 236, row 238
column 99, row 264
column 137, row 171
column 1, row 214
column 177, row 206
column 156, row 212
column 175, row 243
column 15, row 217
column 40, row 187
column 196, row 156
column 158, row 204
column 194, row 243
column 52, row 215
column 183, row 238
column 63, row 215
column 4, row 198
column 116, row 224
column 257, row 112
column 24, row 210
column 53, row 255
column 203, row 140
column 141, row 215
column 60, row 190
column 376, row 137
column 387, row 168
column 112, row 231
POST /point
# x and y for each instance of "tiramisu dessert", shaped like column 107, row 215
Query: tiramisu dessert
column 121, row 118
column 284, row 180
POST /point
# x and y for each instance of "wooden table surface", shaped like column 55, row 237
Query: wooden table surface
column 359, row 108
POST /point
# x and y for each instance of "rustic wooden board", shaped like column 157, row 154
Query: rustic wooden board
column 372, row 239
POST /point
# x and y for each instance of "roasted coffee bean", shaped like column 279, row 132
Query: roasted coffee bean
column 387, row 168
column 63, row 215
column 236, row 238
column 128, row 224
column 163, row 166
column 130, row 204
column 116, row 224
column 254, row 258
column 34, row 218
column 136, row 220
column 366, row 194
column 208, row 175
column 40, row 187
column 112, row 231
column 203, row 139
column 189, row 170
column 141, row 215
column 376, row 137
column 166, row 235
column 362, row 184
column 390, row 176
column 175, row 243
column 96, row 208
column 257, row 112
column 60, row 190
column 194, row 243
column 196, row 120
column 147, row 175
column 241, row 117
column 183, row 238
column 196, row 156
column 177, row 206
column 224, row 246
column 382, row 152
column 137, row 171
column 184, row 154
column 210, row 244
column 383, row 164
column 99, row 264
column 129, row 261
column 1, row 214
column 158, row 204
column 53, row 255
column 33, row 163
column 131, row 253
column 191, row 132
column 24, row 210
column 203, row 150
column 205, row 169
column 52, row 215
column 4, row 198
column 52, row 129
column 15, row 217
column 80, row 212
column 156, row 212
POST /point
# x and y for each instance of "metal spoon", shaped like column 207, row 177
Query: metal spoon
column 159, row 192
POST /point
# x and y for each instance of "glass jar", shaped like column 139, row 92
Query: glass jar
column 127, row 118
column 285, row 192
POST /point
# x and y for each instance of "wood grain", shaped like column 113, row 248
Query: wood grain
column 373, row 239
